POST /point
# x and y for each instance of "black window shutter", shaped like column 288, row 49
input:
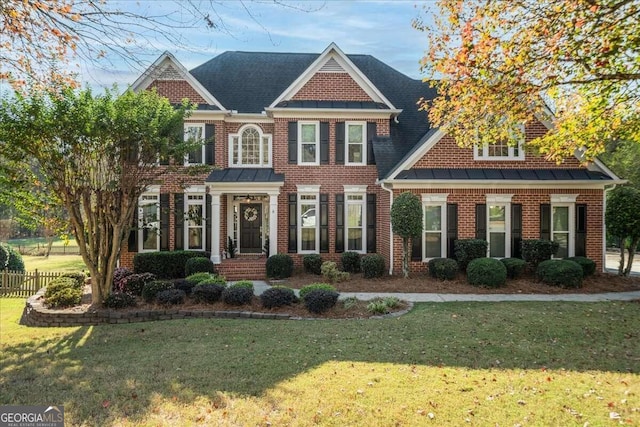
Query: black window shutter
column 481, row 221
column 452, row 228
column 371, row 134
column 340, row 143
column 178, row 229
column 164, row 222
column 293, row 143
column 293, row 223
column 581, row 230
column 371, row 223
column 133, row 234
column 545, row 221
column 516, row 230
column 416, row 247
column 339, row 222
column 324, row 223
column 324, row 143
column 209, row 145
column 207, row 223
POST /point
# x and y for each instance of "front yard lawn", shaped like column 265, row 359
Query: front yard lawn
column 441, row 364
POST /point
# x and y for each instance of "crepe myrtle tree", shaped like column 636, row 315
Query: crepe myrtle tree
column 98, row 154
column 406, row 221
column 623, row 222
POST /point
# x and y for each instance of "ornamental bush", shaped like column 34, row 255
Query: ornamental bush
column 171, row 297
column 588, row 265
column 134, row 283
column 312, row 263
column 14, row 259
column 243, row 284
column 372, row 266
column 443, row 268
column 331, row 273
column 119, row 300
column 119, row 274
column 560, row 272
column 207, row 293
column 534, row 251
column 165, row 264
column 279, row 266
column 319, row 301
column 487, row 272
column 199, row 277
column 215, row 280
column 515, row 267
column 198, row 265
column 467, row 250
column 316, row 287
column 62, row 292
column 350, row 262
column 4, row 257
column 152, row 289
column 78, row 277
column 237, row 295
column 184, row 285
column 278, row 296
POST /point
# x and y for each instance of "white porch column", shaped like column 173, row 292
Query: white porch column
column 273, row 222
column 215, row 227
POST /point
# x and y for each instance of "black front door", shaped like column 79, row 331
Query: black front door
column 250, row 228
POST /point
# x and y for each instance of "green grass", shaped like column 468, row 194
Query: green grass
column 55, row 263
column 35, row 241
column 460, row 363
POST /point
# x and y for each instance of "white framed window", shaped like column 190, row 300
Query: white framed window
column 149, row 222
column 250, row 147
column 500, row 150
column 194, row 221
column 308, row 143
column 499, row 225
column 194, row 132
column 563, row 223
column 356, row 143
column 434, row 226
column 308, row 218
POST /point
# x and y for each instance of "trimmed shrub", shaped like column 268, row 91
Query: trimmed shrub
column 443, row 268
column 119, row 300
column 372, row 266
column 62, row 292
column 207, row 293
column 199, row 277
column 4, row 257
column 151, row 289
column 60, row 283
column 331, row 273
column 515, row 267
column 198, row 265
column 119, row 274
column 278, row 296
column 165, row 264
column 78, row 277
column 238, row 295
column 242, row 284
column 560, row 272
column 134, row 283
column 184, row 285
column 14, row 260
column 350, row 262
column 316, row 287
column 319, row 301
column 487, row 272
column 215, row 280
column 534, row 251
column 312, row 263
column 171, row 297
column 588, row 265
column 279, row 266
column 467, row 250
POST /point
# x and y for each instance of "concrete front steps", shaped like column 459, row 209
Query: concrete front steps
column 251, row 267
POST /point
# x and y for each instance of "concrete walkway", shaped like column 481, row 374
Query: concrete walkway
column 260, row 286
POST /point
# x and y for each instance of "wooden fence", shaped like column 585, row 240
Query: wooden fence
column 23, row 284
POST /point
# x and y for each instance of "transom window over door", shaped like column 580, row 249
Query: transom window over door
column 356, row 138
column 250, row 147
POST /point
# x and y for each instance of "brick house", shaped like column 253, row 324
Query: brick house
column 310, row 150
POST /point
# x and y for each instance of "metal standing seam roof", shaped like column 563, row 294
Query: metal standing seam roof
column 245, row 175
column 503, row 174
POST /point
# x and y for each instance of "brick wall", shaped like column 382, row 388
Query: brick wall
column 176, row 91
column 332, row 87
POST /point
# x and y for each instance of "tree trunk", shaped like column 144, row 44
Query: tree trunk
column 49, row 245
column 632, row 251
column 621, row 265
column 405, row 257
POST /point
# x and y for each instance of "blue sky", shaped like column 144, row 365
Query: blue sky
column 379, row 28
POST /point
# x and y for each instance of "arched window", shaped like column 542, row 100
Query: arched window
column 250, row 147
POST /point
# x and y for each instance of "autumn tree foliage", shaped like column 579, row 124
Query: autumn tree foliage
column 498, row 64
column 97, row 154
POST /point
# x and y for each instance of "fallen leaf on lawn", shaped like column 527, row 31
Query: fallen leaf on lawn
column 106, row 403
column 614, row 415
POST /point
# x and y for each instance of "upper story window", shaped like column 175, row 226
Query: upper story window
column 308, row 143
column 194, row 132
column 500, row 150
column 356, row 140
column 250, row 147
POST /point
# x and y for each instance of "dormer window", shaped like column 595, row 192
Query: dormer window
column 500, row 150
column 250, row 147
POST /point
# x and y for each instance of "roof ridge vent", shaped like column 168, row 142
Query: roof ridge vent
column 331, row 66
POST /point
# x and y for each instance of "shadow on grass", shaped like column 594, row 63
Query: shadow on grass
column 124, row 371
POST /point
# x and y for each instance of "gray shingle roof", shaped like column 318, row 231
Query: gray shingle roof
column 245, row 175
column 504, row 174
